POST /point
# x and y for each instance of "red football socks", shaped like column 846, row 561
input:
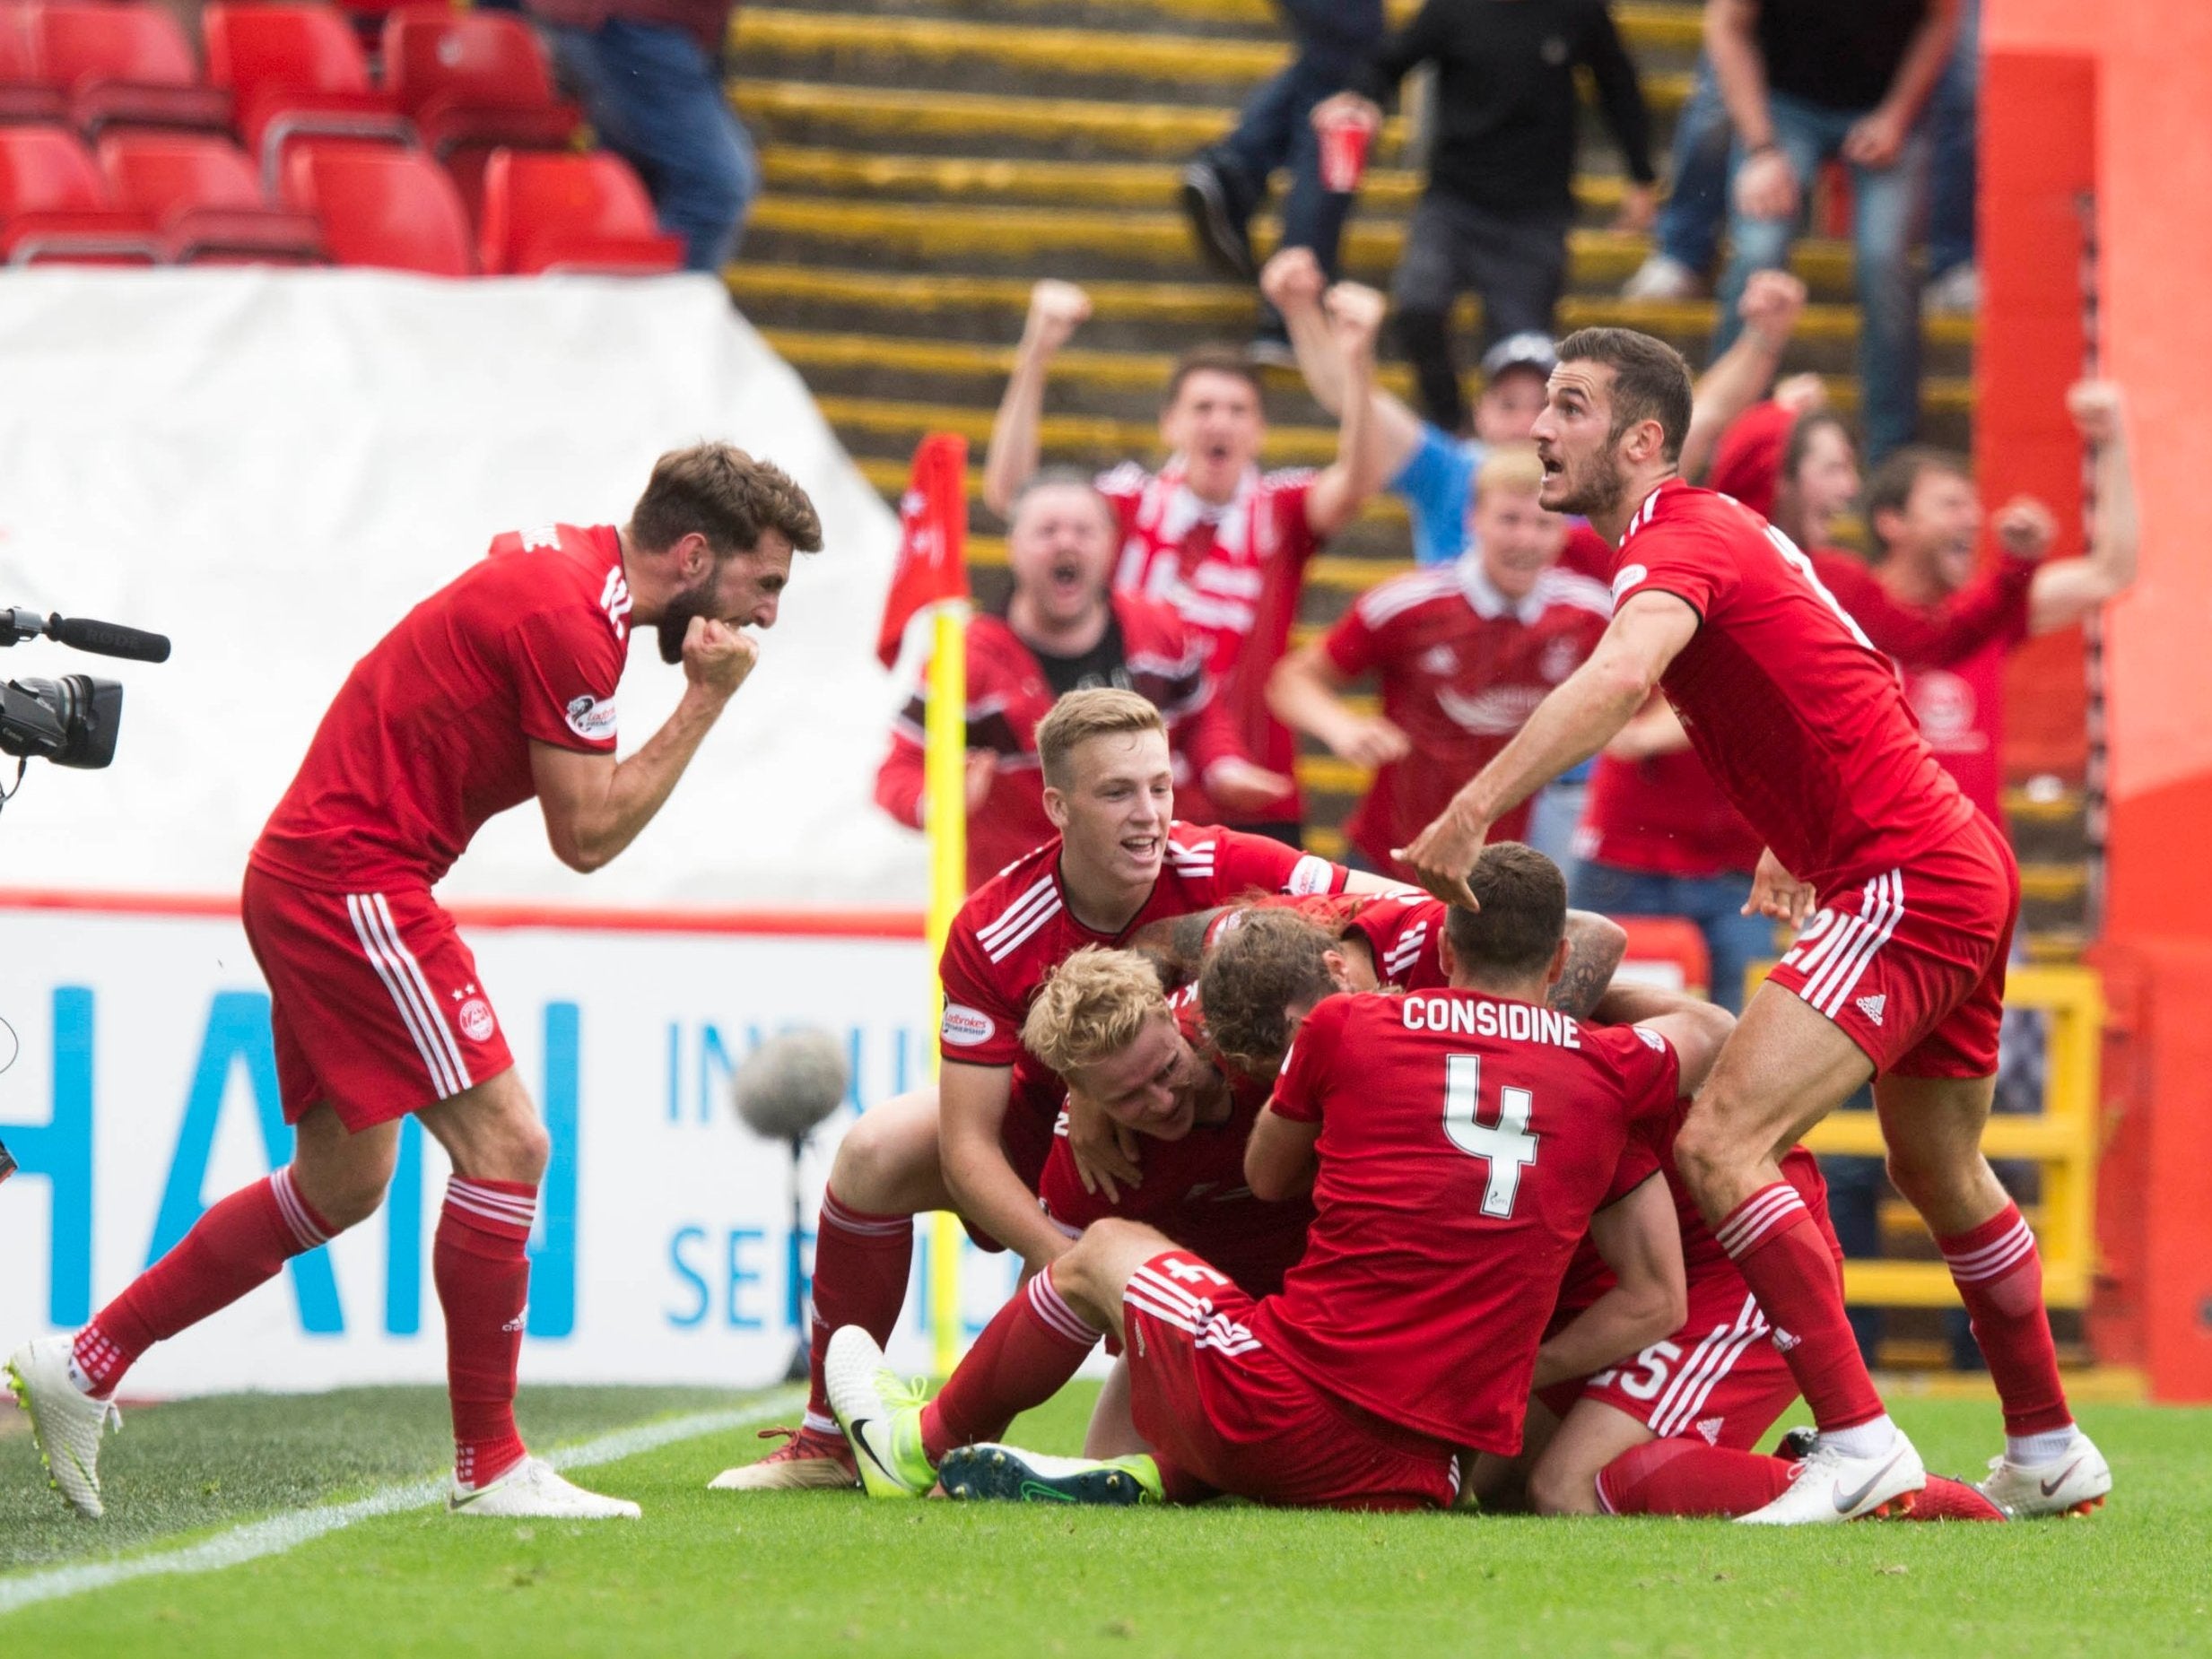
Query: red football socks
column 2000, row 1277
column 1779, row 1249
column 238, row 1244
column 481, row 1264
column 1688, row 1477
column 861, row 1263
column 1027, row 1352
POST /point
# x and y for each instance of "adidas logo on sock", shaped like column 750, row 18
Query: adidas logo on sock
column 1872, row 1006
column 1710, row 1427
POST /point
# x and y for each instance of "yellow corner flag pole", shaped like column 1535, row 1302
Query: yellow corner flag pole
column 944, row 782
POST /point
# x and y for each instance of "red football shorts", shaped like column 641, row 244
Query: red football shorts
column 373, row 1000
column 1210, row 1400
column 1910, row 962
column 1720, row 1377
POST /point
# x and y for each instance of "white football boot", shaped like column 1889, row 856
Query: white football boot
column 66, row 1422
column 880, row 1414
column 534, row 1489
column 2073, row 1482
column 1830, row 1487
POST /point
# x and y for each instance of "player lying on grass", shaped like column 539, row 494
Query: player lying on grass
column 976, row 1143
column 497, row 688
column 1456, row 1144
column 1148, row 1060
column 1900, row 977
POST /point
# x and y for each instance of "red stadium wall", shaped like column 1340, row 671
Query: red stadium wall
column 2112, row 99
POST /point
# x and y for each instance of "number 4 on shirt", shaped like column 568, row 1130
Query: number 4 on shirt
column 1506, row 1145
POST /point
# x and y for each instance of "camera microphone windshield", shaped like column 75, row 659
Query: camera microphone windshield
column 109, row 639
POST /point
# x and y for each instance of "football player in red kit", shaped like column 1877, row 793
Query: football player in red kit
column 499, row 686
column 976, row 1143
column 1900, row 976
column 1456, row 1144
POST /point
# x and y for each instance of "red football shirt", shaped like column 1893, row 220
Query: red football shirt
column 1194, row 1188
column 1235, row 573
column 1017, row 927
column 1405, row 931
column 1461, row 667
column 430, row 733
column 1465, row 1142
column 1800, row 720
column 1664, row 815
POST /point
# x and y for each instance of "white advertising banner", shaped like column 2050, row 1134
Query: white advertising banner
column 142, row 1087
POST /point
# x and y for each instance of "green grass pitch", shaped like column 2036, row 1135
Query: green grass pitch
column 813, row 1574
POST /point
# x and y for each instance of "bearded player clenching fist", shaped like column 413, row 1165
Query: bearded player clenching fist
column 1900, row 976
column 499, row 686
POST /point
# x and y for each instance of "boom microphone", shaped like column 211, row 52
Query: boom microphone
column 108, row 639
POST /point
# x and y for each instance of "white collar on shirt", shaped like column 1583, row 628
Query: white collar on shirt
column 1485, row 598
column 1184, row 508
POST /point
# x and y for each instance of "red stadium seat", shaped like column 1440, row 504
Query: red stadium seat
column 570, row 212
column 295, row 71
column 121, row 64
column 472, row 82
column 23, row 95
column 203, row 195
column 382, row 206
column 53, row 204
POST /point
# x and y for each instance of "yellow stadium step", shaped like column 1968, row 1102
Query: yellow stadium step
column 928, row 237
column 937, row 46
column 1137, row 375
column 1218, row 307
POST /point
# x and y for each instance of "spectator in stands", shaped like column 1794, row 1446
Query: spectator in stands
column 1954, row 281
column 1500, row 199
column 1061, row 631
column 1463, row 653
column 1435, row 472
column 1224, row 543
column 648, row 73
column 1925, row 521
column 1807, row 82
column 1226, row 183
column 1686, row 239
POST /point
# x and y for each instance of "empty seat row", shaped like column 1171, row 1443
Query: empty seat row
column 461, row 83
column 180, row 197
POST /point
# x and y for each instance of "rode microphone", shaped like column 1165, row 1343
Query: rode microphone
column 108, row 639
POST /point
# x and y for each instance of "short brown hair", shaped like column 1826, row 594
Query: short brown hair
column 1215, row 360
column 1650, row 380
column 726, row 495
column 1102, row 711
column 1523, row 916
column 1890, row 487
column 1092, row 1007
column 1267, row 960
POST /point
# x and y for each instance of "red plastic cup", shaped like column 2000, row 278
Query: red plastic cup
column 1343, row 153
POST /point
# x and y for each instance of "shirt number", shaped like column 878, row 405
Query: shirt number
column 1506, row 1145
column 1794, row 557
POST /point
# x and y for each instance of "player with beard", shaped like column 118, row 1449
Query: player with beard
column 499, row 686
column 1899, row 977
column 1063, row 631
column 976, row 1143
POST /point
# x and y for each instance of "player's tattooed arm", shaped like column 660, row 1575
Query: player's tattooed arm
column 1595, row 947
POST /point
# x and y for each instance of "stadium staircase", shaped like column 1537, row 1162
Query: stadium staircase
column 926, row 160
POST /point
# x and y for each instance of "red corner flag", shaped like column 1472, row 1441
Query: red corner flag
column 933, row 538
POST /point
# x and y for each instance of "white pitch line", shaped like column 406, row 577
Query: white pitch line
column 278, row 1533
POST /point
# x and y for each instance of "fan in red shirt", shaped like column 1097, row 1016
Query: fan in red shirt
column 1900, row 976
column 1062, row 630
column 499, row 686
column 1456, row 1144
column 976, row 1143
column 1210, row 533
column 1464, row 651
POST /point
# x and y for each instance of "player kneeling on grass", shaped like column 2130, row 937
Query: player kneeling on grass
column 497, row 688
column 1456, row 1143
